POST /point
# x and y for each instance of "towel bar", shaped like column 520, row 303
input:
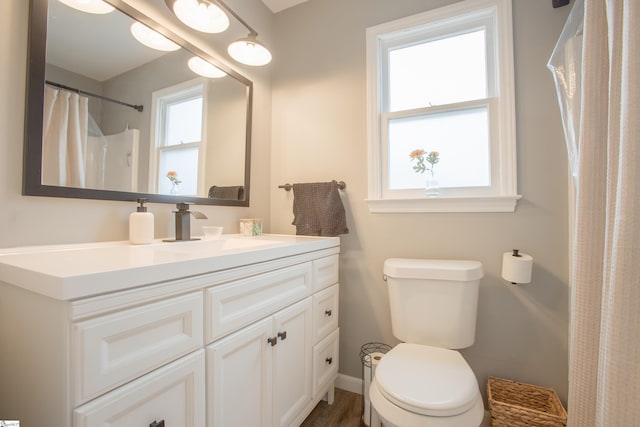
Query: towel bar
column 288, row 187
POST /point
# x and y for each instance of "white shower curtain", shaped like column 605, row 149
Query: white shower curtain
column 604, row 353
column 65, row 138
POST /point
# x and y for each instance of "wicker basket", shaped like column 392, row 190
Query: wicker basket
column 514, row 404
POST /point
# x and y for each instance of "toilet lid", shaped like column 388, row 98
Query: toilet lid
column 427, row 380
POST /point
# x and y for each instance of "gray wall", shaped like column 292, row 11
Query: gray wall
column 319, row 134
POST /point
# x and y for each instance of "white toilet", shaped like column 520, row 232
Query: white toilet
column 424, row 381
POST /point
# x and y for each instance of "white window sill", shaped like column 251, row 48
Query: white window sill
column 445, row 204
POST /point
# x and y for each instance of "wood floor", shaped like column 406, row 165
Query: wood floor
column 346, row 411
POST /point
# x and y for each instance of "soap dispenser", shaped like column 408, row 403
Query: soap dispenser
column 141, row 225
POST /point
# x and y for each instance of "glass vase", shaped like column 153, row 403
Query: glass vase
column 432, row 187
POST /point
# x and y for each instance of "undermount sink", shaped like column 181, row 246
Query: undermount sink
column 211, row 247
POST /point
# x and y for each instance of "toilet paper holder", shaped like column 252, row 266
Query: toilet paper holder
column 516, row 267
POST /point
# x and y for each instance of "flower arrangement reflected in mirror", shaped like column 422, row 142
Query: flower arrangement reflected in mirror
column 173, row 177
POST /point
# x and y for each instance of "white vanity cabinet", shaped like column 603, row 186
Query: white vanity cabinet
column 238, row 337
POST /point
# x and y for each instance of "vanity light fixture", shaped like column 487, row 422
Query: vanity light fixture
column 152, row 38
column 202, row 16
column 97, row 7
column 249, row 51
column 246, row 50
column 204, row 68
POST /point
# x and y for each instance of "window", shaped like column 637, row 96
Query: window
column 443, row 81
column 178, row 130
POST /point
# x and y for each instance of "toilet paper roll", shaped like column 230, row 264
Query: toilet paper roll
column 517, row 269
column 370, row 364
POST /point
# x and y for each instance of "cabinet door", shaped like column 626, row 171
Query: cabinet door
column 239, row 378
column 173, row 394
column 292, row 362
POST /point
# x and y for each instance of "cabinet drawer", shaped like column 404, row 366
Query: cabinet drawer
column 325, row 362
column 325, row 272
column 118, row 347
column 231, row 306
column 174, row 394
column 325, row 312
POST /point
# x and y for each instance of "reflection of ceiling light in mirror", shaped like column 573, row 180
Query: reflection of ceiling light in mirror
column 201, row 15
column 249, row 51
column 151, row 38
column 204, row 68
column 90, row 6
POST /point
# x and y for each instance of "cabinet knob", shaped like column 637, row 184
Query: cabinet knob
column 273, row 341
column 157, row 424
column 282, row 335
column 327, row 312
column 329, row 360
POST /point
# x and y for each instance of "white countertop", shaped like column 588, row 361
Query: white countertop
column 68, row 272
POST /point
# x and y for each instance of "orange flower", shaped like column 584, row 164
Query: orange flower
column 433, row 157
column 416, row 153
column 173, row 177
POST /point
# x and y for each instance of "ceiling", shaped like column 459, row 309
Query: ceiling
column 278, row 5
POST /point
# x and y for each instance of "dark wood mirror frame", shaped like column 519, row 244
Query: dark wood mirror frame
column 32, row 165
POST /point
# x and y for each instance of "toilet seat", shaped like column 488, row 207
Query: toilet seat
column 394, row 416
column 427, row 380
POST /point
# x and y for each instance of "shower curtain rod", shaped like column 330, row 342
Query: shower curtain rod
column 82, row 92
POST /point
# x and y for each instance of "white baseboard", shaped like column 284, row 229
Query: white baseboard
column 352, row 384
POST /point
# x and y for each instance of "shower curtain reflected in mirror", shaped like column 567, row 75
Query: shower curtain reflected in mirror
column 76, row 153
column 65, row 138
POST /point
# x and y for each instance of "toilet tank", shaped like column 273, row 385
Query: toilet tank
column 434, row 302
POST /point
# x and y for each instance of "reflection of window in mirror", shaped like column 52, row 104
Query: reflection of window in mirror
column 178, row 135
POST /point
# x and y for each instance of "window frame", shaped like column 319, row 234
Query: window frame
column 458, row 18
column 160, row 100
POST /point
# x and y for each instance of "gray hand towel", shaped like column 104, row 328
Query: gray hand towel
column 318, row 209
column 234, row 192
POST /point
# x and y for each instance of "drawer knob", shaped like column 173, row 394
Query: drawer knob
column 282, row 335
column 327, row 312
column 157, row 424
column 273, row 341
column 329, row 360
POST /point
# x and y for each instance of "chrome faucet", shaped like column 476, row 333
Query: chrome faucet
column 183, row 222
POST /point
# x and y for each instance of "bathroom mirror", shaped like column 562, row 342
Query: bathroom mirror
column 109, row 118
